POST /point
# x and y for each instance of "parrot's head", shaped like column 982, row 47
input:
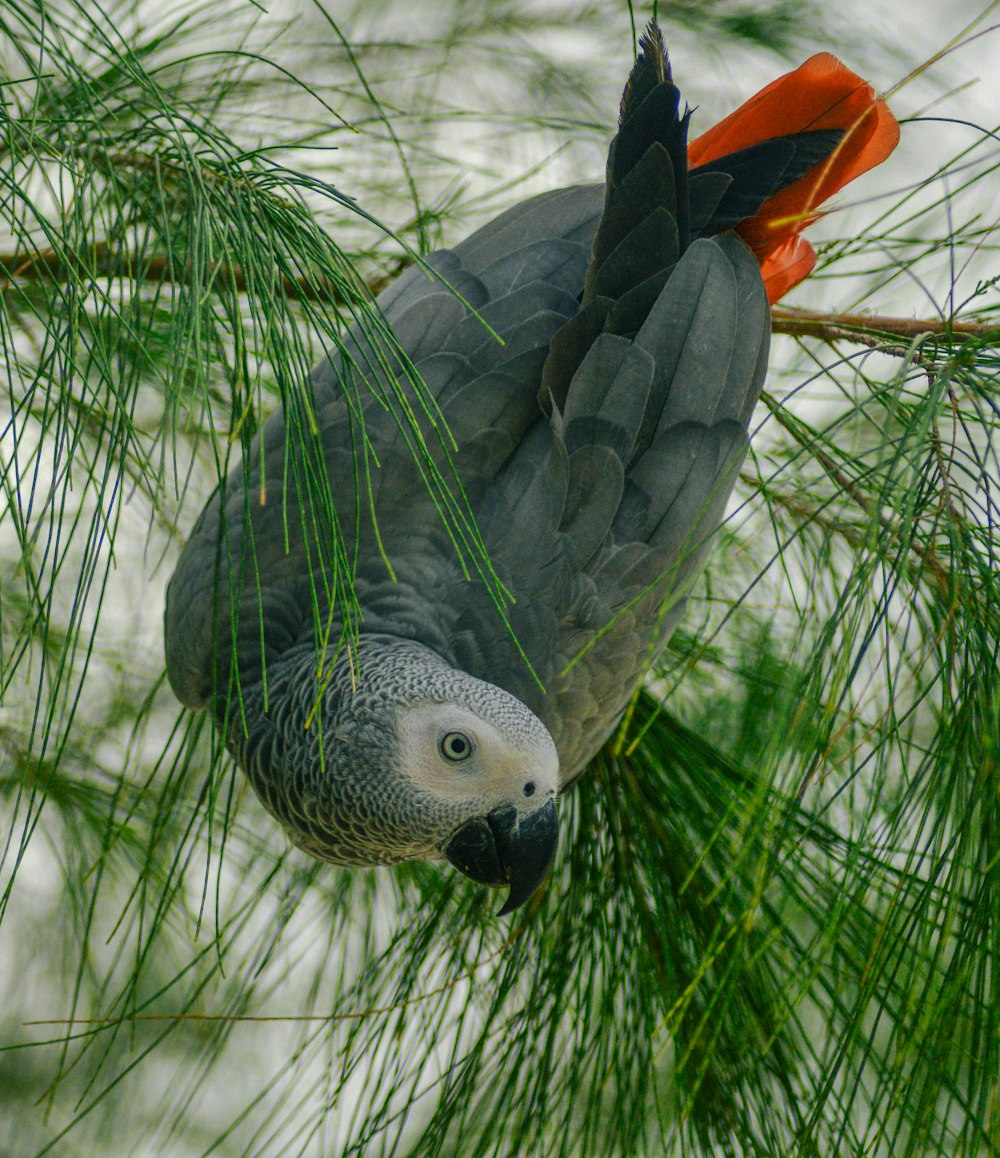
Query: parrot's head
column 417, row 760
column 483, row 759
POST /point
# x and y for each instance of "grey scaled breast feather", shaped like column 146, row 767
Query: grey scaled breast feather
column 597, row 446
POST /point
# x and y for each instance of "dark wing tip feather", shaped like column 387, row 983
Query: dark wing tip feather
column 652, row 67
column 755, row 174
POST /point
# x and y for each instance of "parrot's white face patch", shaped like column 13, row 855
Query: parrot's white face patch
column 454, row 754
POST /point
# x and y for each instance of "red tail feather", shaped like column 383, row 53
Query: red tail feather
column 820, row 94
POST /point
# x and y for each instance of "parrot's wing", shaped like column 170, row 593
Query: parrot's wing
column 707, row 338
column 600, row 519
column 339, row 483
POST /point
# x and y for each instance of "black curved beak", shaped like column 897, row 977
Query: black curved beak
column 507, row 848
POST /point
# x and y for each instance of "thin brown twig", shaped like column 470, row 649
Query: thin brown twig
column 864, row 327
column 106, row 261
column 103, row 260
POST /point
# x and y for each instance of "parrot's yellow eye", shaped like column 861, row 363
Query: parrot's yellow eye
column 456, row 746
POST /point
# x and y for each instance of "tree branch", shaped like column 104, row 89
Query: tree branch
column 103, row 260
column 869, row 329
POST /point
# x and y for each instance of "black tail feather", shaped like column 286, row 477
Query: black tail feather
column 654, row 209
column 651, row 68
column 755, row 174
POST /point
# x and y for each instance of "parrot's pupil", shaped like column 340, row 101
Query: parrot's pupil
column 456, row 746
column 529, row 788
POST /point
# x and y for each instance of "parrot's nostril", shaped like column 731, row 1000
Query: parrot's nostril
column 529, row 788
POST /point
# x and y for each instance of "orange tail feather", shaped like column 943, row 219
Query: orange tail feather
column 820, row 94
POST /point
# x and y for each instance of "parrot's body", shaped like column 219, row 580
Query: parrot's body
column 596, row 444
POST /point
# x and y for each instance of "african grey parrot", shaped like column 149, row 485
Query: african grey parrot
column 596, row 353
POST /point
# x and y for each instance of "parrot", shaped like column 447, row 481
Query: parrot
column 593, row 356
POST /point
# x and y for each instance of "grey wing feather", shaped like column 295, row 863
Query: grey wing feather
column 555, row 262
column 698, row 333
column 611, row 388
column 569, row 214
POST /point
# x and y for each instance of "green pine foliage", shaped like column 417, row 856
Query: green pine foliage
column 772, row 928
